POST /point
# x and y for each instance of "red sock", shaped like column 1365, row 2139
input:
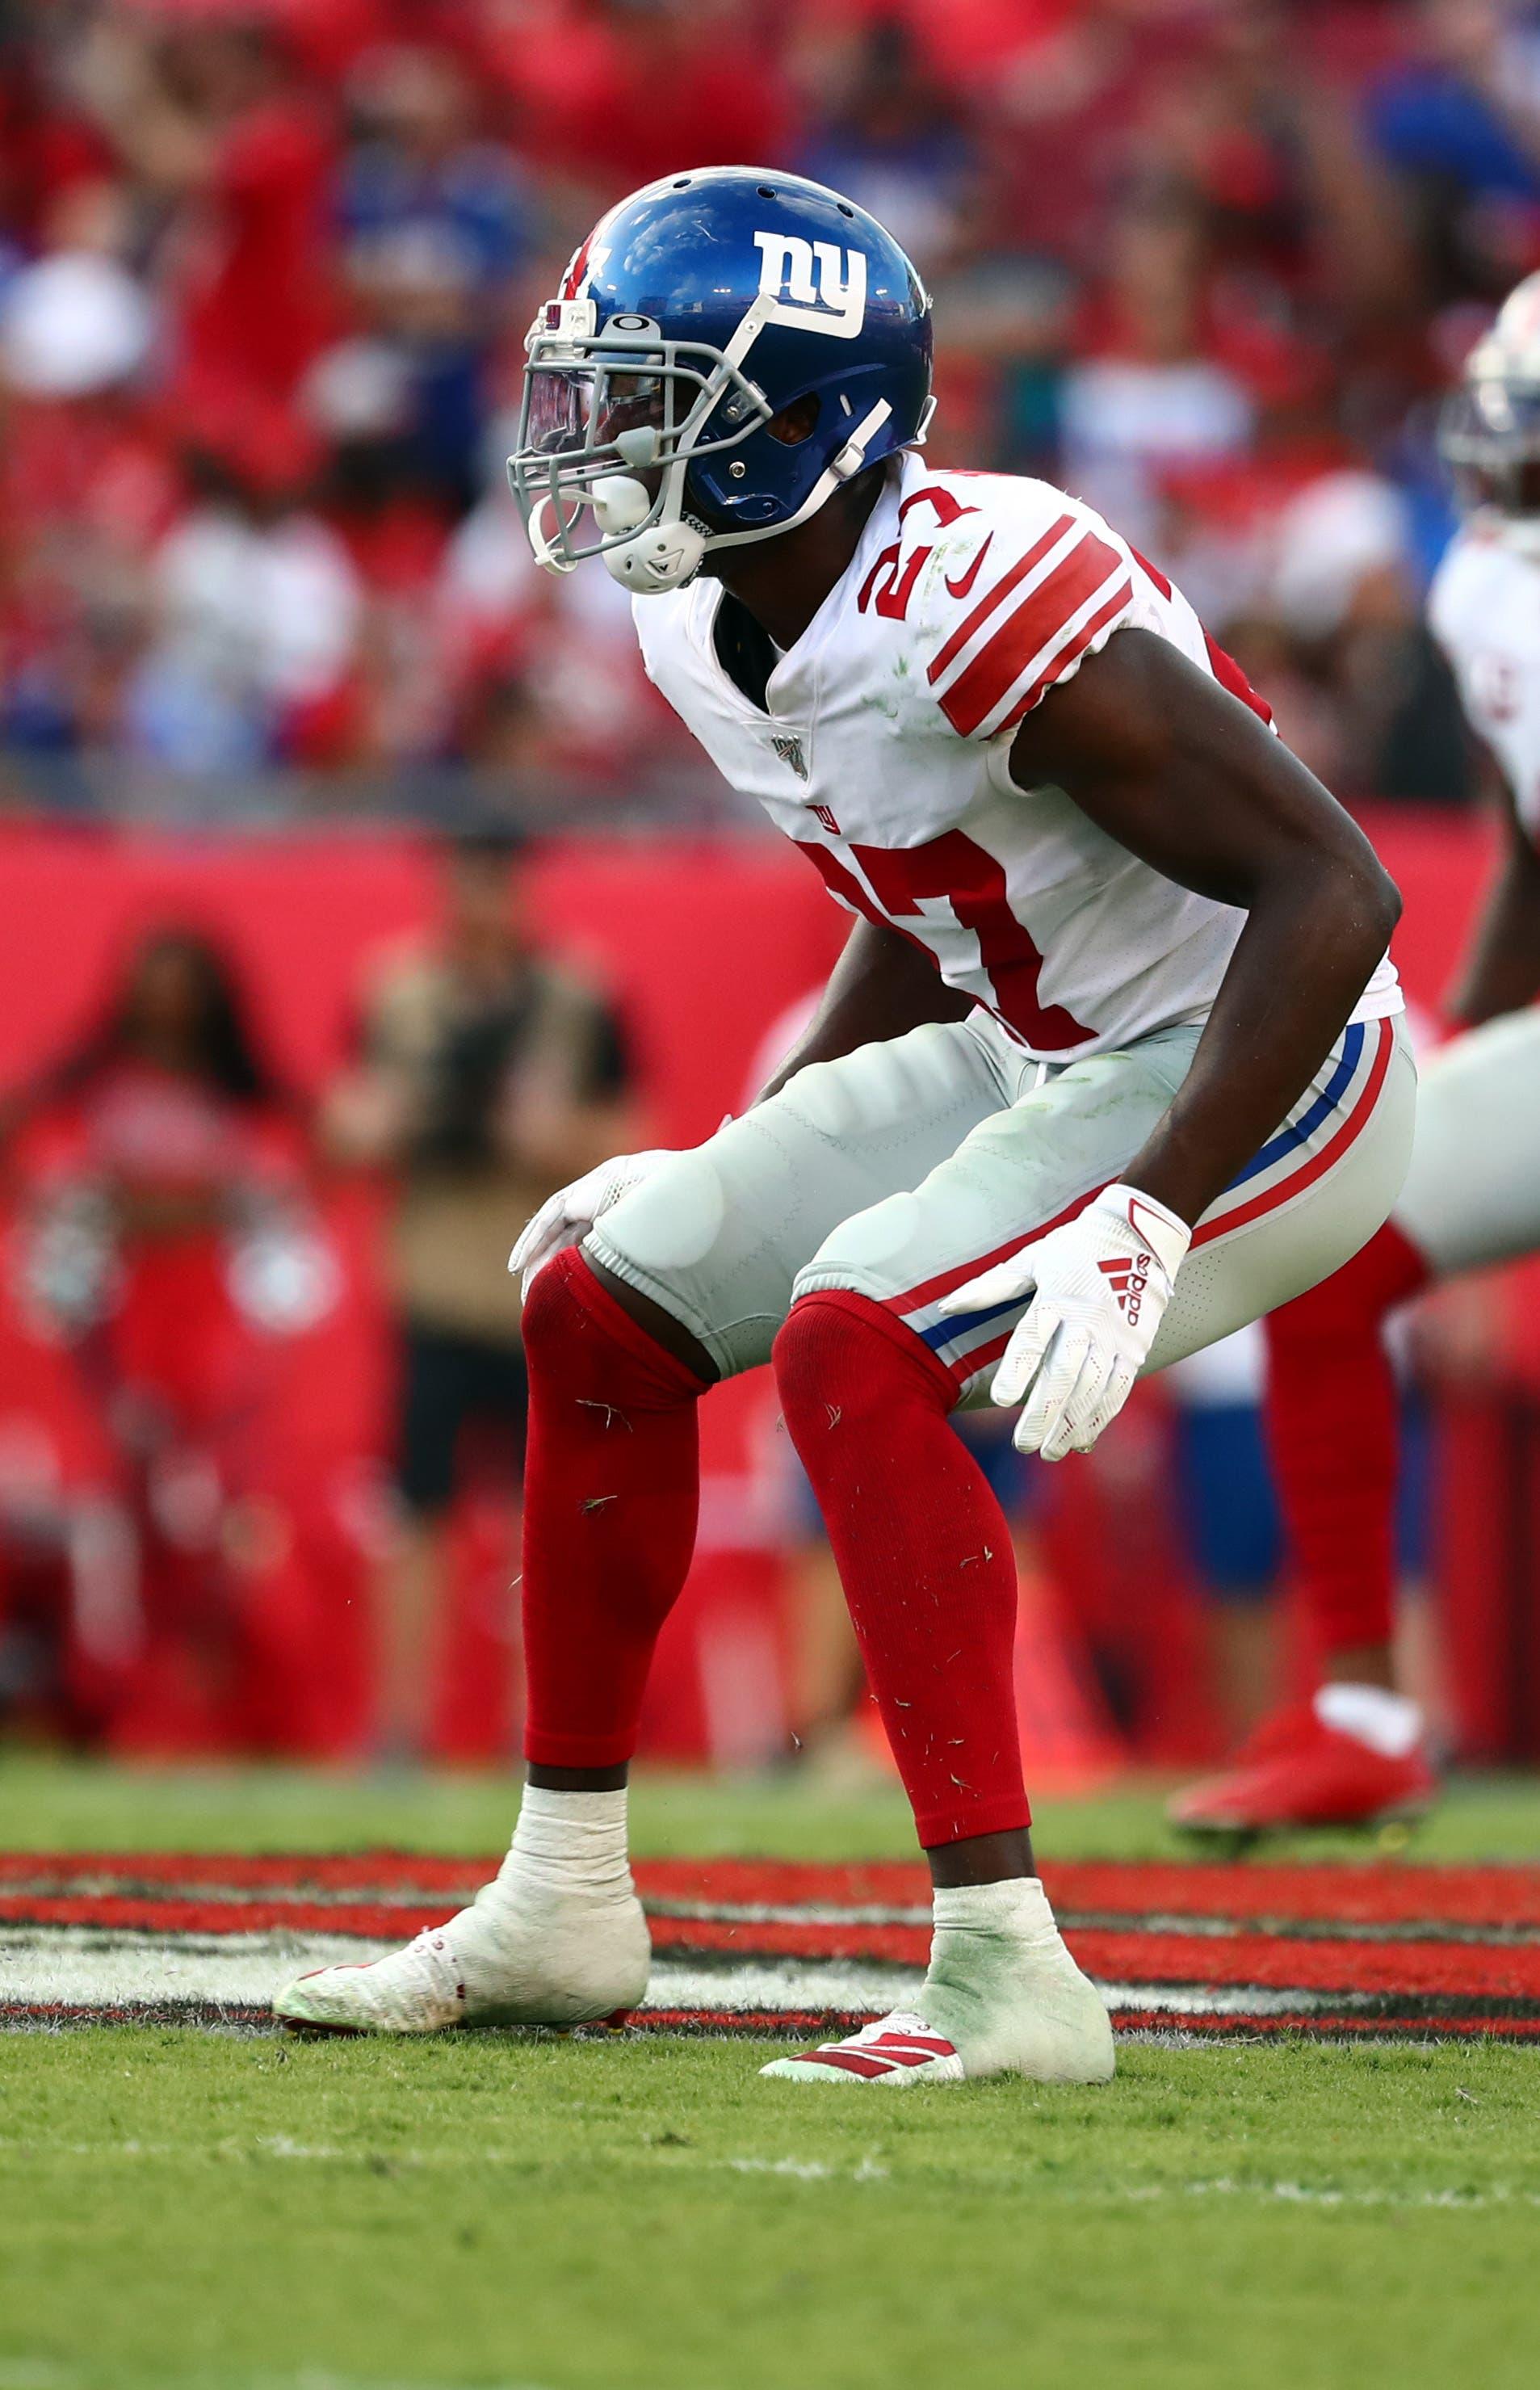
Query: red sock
column 612, row 1487
column 1332, row 1428
column 924, row 1553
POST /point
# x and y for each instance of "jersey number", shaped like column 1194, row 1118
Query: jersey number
column 885, row 586
column 974, row 885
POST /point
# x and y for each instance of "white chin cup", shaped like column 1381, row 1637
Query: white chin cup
column 621, row 503
column 665, row 558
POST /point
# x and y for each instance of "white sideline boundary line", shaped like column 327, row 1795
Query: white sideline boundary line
column 77, row 1967
column 73, row 1968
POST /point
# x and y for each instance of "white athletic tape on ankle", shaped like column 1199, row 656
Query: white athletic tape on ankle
column 571, row 1841
column 1016, row 1905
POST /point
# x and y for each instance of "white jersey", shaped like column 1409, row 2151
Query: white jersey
column 884, row 755
column 1484, row 611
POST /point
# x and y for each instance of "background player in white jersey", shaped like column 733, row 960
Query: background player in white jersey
column 1109, row 1064
column 1354, row 1753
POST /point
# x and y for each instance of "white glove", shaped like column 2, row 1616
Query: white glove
column 564, row 1217
column 1099, row 1287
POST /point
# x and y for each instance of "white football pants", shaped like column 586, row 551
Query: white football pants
column 1472, row 1191
column 903, row 1169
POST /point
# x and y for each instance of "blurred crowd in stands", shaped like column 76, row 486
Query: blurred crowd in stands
column 259, row 1345
column 265, row 267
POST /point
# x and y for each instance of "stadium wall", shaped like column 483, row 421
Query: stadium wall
column 702, row 943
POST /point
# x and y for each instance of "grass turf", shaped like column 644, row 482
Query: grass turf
column 202, row 2213
column 49, row 1805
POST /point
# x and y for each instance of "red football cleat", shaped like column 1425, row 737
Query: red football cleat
column 1296, row 1772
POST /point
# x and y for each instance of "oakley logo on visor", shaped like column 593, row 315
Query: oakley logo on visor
column 813, row 284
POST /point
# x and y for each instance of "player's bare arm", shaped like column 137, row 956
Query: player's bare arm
column 1502, row 971
column 1192, row 781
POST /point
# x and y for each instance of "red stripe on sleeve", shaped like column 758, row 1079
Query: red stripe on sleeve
column 1227, row 672
column 1071, row 654
column 997, row 596
column 1022, row 637
column 1154, row 573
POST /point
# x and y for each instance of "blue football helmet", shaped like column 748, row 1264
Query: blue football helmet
column 694, row 313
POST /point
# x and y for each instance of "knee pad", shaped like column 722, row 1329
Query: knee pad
column 878, row 1244
column 671, row 1220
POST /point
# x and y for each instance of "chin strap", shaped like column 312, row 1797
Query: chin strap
column 665, row 555
column 659, row 559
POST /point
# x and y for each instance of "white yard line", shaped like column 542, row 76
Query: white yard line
column 1449, row 2198
column 24, row 2373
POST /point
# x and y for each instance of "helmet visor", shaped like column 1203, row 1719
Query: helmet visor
column 612, row 403
column 1489, row 438
column 573, row 408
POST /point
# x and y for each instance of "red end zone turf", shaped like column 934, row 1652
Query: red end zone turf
column 779, row 1947
column 1406, row 1893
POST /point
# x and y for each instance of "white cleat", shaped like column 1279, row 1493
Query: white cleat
column 513, row 1958
column 419, row 1989
column 897, row 2048
column 992, row 2003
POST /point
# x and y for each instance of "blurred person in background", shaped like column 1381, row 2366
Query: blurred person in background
column 434, row 223
column 1153, row 385
column 1234, row 1530
column 165, row 1240
column 1140, row 218
column 485, row 1074
column 889, row 135
column 418, row 162
column 231, row 148
column 1306, row 561
column 611, row 90
column 1458, row 124
column 1253, row 114
column 87, row 490
column 1229, row 1518
column 1357, row 1751
column 256, row 603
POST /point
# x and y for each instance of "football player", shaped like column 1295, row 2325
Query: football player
column 1355, row 1754
column 1110, row 1063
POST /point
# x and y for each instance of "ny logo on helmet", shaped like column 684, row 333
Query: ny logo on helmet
column 833, row 299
